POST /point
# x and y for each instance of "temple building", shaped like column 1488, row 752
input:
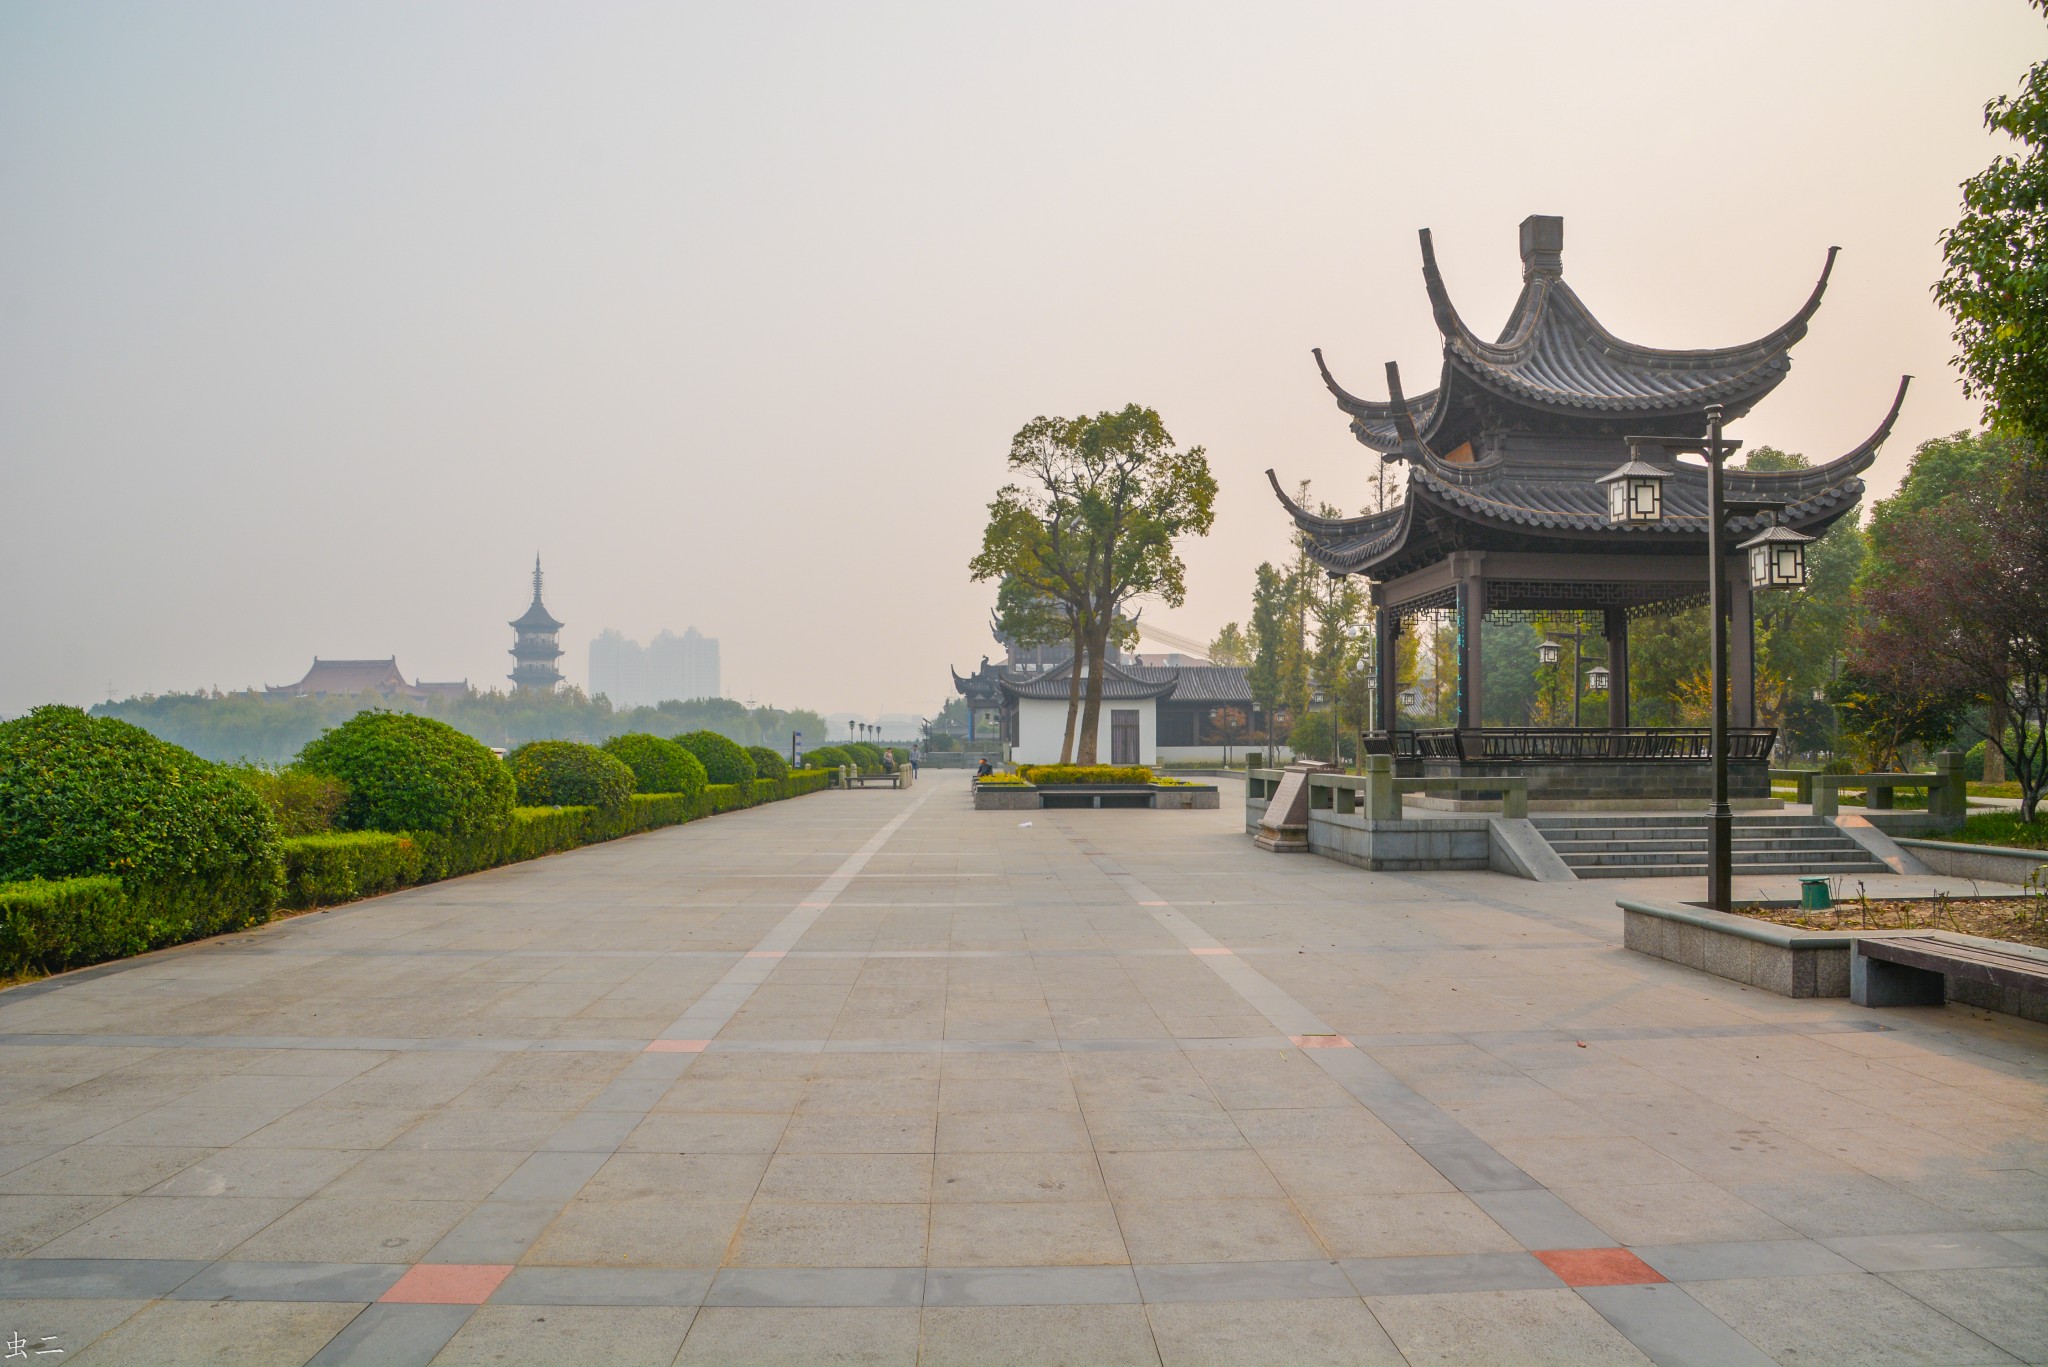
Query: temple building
column 353, row 678
column 1543, row 477
column 534, row 651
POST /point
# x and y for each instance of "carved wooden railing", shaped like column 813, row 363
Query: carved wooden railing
column 1567, row 744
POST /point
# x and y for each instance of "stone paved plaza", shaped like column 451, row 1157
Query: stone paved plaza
column 873, row 1078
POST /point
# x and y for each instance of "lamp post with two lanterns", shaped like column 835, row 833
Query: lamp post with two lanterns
column 1777, row 559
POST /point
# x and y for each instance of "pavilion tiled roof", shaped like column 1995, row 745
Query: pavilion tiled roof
column 1537, row 470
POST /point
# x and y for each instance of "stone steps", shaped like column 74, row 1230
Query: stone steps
column 1676, row 846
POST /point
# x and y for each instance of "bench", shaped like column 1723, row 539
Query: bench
column 894, row 780
column 1914, row 970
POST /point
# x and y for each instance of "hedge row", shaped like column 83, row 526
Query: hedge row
column 52, row 925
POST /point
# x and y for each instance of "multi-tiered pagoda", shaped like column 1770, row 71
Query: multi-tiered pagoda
column 1513, row 463
column 534, row 651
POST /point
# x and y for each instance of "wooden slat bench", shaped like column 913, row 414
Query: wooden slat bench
column 894, row 780
column 1913, row 970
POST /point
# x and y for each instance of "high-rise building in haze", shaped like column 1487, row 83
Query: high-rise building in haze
column 672, row 667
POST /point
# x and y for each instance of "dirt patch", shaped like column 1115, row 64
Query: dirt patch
column 2023, row 920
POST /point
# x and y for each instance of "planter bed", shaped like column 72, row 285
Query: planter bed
column 1012, row 797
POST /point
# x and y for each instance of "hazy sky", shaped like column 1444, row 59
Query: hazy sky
column 317, row 321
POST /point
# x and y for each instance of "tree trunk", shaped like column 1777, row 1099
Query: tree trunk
column 1073, row 700
column 1091, row 710
column 1994, row 758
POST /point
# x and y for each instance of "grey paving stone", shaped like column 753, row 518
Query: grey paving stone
column 95, row 1278
column 786, row 1336
column 1933, row 1252
column 1328, row 1332
column 614, row 1335
column 1538, row 1219
column 603, row 1286
column 393, row 1336
column 1453, row 1272
column 807, row 1286
column 552, row 1176
column 1030, row 1286
column 1305, row 1279
column 1852, row 1320
column 2002, row 1305
column 1768, row 1258
column 358, row 1282
column 495, row 1232
column 1671, row 1328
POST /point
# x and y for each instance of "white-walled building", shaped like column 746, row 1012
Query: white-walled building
column 1149, row 715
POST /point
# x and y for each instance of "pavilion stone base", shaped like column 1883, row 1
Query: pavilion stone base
column 1594, row 785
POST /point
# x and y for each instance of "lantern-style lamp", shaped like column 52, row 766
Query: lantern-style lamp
column 1777, row 558
column 1549, row 652
column 1635, row 492
column 1596, row 679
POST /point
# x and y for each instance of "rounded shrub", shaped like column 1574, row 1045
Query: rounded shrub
column 829, row 757
column 724, row 761
column 768, row 763
column 84, row 795
column 659, row 765
column 568, row 773
column 868, row 757
column 411, row 773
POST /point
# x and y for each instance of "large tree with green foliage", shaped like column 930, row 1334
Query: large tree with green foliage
column 1995, row 286
column 1092, row 518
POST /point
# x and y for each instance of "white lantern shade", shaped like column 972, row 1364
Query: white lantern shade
column 1777, row 558
column 1596, row 679
column 1635, row 493
column 1549, row 652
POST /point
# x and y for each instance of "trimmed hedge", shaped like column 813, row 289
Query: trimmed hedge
column 724, row 760
column 325, row 870
column 830, row 757
column 1084, row 773
column 869, row 757
column 88, row 797
column 659, row 765
column 411, row 773
column 767, row 763
column 568, row 773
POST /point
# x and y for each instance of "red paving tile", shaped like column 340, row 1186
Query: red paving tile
column 676, row 1046
column 1210, row 949
column 1320, row 1041
column 1597, row 1266
column 448, row 1284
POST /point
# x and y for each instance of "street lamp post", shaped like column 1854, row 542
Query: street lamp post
column 1720, row 816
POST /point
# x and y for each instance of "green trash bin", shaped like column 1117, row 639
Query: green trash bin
column 1813, row 894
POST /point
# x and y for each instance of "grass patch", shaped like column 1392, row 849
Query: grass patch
column 1999, row 828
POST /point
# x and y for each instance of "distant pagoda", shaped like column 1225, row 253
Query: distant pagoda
column 534, row 651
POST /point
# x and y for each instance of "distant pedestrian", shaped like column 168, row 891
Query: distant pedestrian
column 984, row 769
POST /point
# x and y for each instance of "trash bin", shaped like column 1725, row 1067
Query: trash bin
column 1813, row 894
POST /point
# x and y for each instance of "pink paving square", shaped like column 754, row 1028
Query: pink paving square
column 448, row 1284
column 1320, row 1041
column 766, row 953
column 1210, row 949
column 676, row 1046
column 1151, row 904
column 1597, row 1266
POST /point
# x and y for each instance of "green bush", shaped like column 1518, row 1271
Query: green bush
column 868, row 757
column 659, row 765
column 830, row 757
column 323, row 870
column 89, row 796
column 724, row 761
column 412, row 773
column 768, row 763
column 568, row 773
column 1084, row 773
column 302, row 803
column 51, row 926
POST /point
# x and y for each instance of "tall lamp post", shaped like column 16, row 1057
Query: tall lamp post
column 1777, row 559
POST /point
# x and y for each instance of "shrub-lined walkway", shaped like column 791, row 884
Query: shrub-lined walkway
column 875, row 1078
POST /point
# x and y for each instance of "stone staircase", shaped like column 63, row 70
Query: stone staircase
column 1675, row 846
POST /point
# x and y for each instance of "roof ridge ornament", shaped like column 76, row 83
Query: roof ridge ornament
column 1542, row 246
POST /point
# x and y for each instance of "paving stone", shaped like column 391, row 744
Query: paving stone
column 1852, row 1318
column 1270, row 1333
column 828, row 1337
column 1028, row 1336
column 178, row 1333
column 2002, row 1305
column 1487, row 1328
column 616, row 1335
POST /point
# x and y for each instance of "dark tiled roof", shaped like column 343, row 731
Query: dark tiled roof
column 1204, row 683
column 1123, row 682
column 1555, row 356
column 535, row 619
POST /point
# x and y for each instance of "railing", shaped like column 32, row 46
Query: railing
column 1948, row 799
column 1548, row 744
column 1376, row 794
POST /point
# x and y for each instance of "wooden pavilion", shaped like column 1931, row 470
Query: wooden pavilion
column 1536, row 482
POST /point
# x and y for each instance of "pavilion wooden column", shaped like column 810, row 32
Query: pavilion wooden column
column 1617, row 668
column 1741, row 647
column 1387, row 641
column 1471, row 662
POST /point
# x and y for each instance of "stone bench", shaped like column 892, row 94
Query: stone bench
column 1928, row 970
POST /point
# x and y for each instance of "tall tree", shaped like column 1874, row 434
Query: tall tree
column 1962, row 611
column 1995, row 286
column 1093, row 522
column 1230, row 647
column 1268, row 641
